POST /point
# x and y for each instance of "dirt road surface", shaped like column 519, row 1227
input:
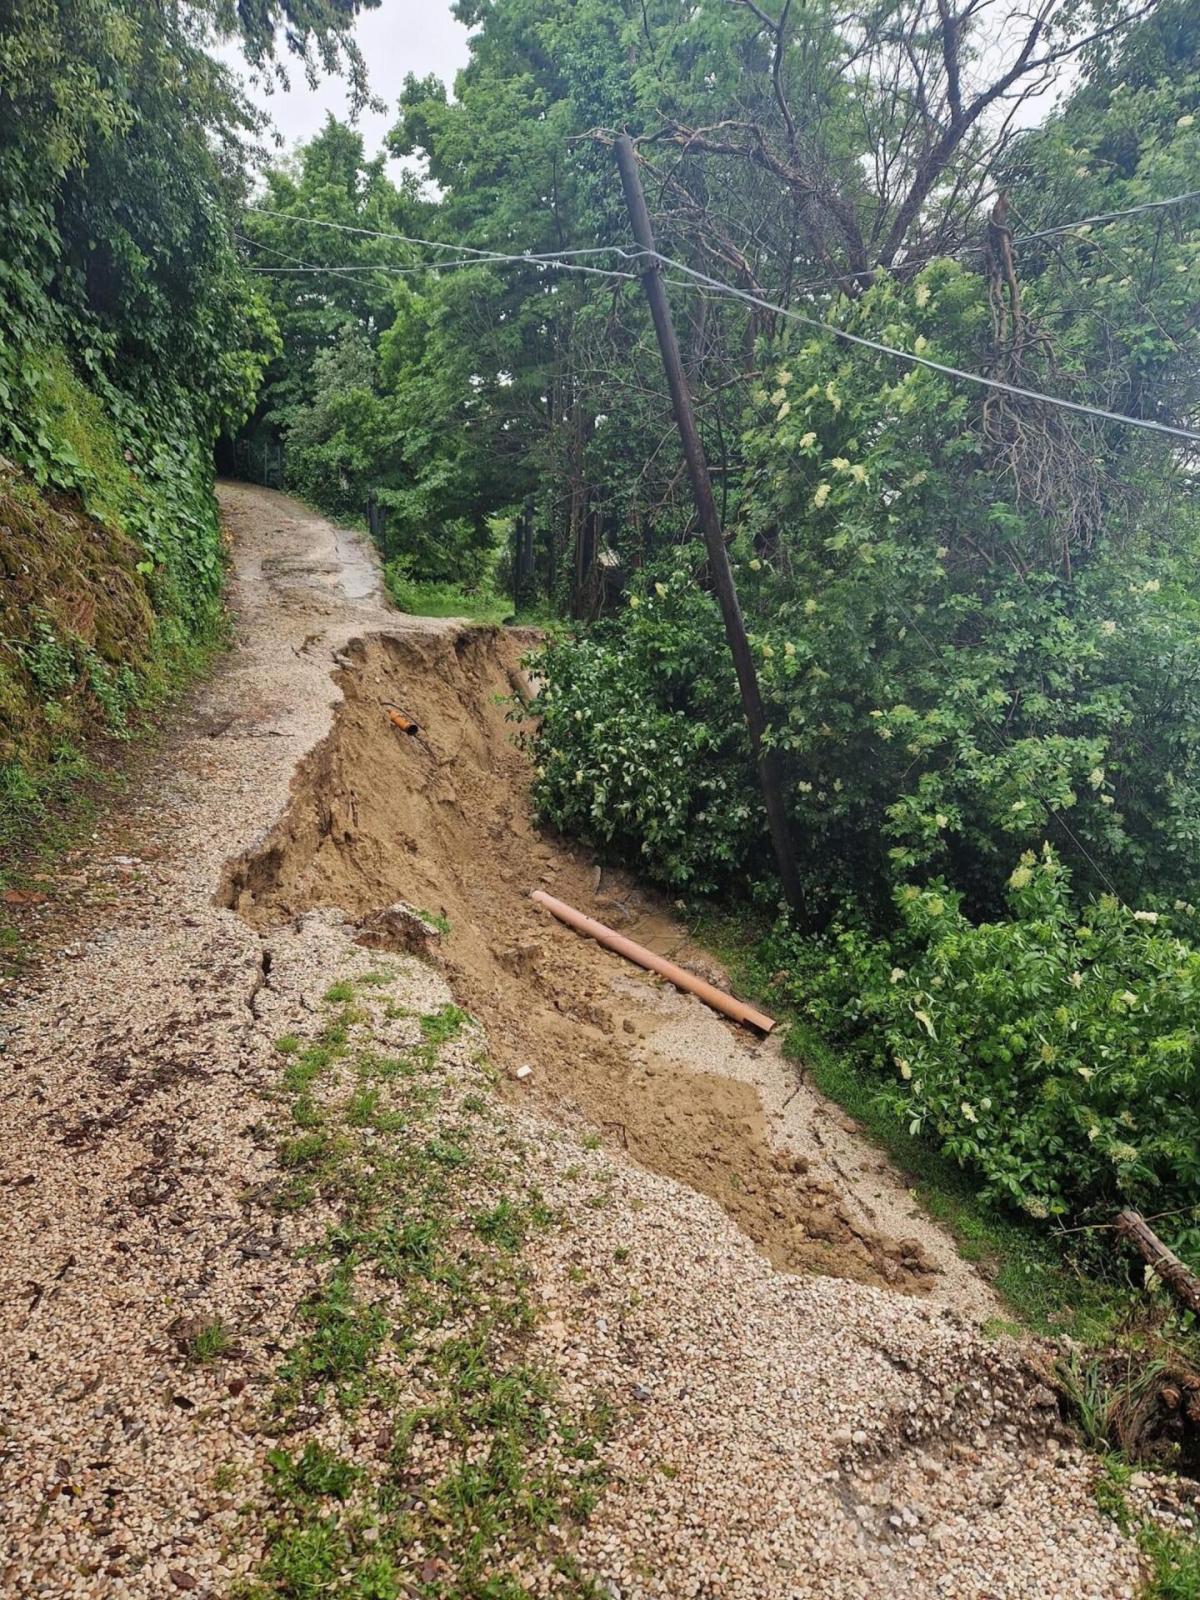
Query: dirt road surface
column 803, row 1402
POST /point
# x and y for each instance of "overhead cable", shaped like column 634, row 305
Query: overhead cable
column 914, row 359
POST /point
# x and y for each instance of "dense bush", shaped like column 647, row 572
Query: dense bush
column 637, row 751
column 929, row 724
column 1055, row 1051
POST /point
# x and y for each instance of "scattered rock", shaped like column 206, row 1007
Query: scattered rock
column 399, row 927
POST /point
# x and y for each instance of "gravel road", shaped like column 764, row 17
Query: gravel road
column 776, row 1435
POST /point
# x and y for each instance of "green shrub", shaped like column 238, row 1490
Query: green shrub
column 1055, row 1052
column 641, row 750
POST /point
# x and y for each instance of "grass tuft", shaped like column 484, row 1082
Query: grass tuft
column 425, row 1288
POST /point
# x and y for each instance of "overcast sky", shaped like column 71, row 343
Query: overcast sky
column 402, row 36
column 421, row 36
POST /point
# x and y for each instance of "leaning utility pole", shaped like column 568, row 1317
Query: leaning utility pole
column 710, row 523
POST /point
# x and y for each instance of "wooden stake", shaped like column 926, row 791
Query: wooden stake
column 1132, row 1226
column 710, row 523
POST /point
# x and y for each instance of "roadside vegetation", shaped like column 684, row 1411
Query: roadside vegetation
column 420, row 1448
column 130, row 336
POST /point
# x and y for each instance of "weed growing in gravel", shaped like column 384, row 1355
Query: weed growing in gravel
column 342, row 1337
column 209, row 1343
column 444, row 1025
column 1174, row 1560
column 419, row 1332
column 317, row 1471
column 1109, row 1489
column 1172, row 1554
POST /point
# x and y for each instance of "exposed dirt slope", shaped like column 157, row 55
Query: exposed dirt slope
column 441, row 820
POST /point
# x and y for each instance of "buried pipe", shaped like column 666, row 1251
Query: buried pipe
column 717, row 998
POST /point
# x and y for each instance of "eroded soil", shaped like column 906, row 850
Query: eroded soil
column 441, row 820
column 771, row 1435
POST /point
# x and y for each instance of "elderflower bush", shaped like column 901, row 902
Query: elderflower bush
column 634, row 755
column 1056, row 1052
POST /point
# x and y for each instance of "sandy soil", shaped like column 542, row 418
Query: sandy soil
column 442, row 821
column 781, row 1433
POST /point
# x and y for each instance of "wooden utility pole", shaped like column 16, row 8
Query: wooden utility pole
column 710, row 523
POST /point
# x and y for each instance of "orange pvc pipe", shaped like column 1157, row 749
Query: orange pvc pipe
column 717, row 998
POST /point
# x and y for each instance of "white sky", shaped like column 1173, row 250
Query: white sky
column 402, row 36
column 422, row 37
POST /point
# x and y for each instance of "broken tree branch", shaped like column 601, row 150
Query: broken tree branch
column 1134, row 1228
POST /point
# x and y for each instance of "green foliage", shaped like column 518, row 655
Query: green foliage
column 375, row 391
column 974, row 624
column 933, row 709
column 314, row 1473
column 1053, row 1053
column 209, row 1343
column 641, row 750
column 130, row 335
column 431, row 599
column 439, row 1027
column 341, row 1340
column 1174, row 1558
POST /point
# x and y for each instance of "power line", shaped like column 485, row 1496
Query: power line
column 559, row 261
column 439, row 244
column 701, row 279
column 294, row 262
column 911, row 356
column 625, row 253
column 440, row 266
column 923, row 260
column 1108, row 216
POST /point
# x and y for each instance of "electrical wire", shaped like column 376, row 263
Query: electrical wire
column 623, row 252
column 701, row 279
column 564, row 261
column 294, row 262
column 441, row 266
column 1077, row 406
column 463, row 249
column 1108, row 216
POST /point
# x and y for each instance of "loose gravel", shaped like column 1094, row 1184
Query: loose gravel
column 775, row 1435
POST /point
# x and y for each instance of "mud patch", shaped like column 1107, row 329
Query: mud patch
column 442, row 824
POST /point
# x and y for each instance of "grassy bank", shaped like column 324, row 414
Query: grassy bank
column 109, row 602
